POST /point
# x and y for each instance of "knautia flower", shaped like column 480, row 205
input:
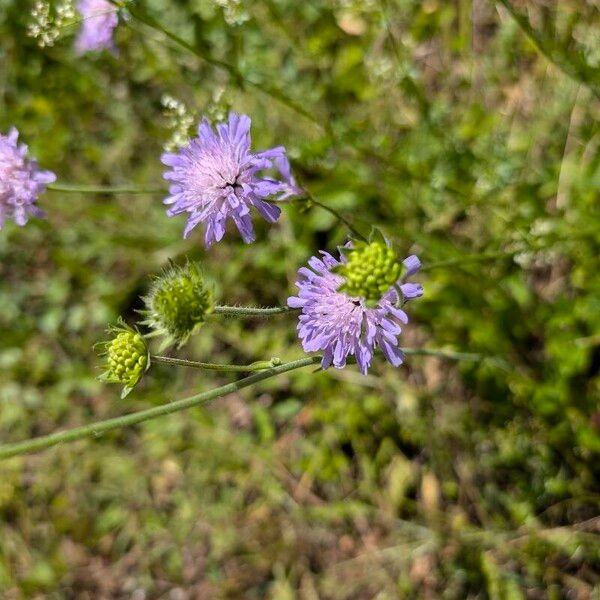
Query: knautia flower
column 353, row 305
column 99, row 19
column 126, row 356
column 21, row 181
column 178, row 303
column 216, row 177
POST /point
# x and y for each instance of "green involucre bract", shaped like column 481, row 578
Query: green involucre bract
column 178, row 303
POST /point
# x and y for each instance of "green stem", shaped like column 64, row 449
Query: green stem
column 252, row 311
column 262, row 86
column 75, row 188
column 449, row 354
column 308, row 197
column 580, row 72
column 94, row 430
column 259, row 365
column 338, row 216
column 472, row 258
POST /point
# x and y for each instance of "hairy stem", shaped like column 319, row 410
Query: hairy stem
column 94, row 430
column 259, row 365
column 75, row 188
column 252, row 311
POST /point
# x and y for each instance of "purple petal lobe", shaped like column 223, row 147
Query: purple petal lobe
column 21, row 181
column 217, row 178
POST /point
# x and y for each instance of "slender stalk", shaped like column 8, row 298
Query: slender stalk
column 76, row 188
column 580, row 71
column 138, row 13
column 259, row 365
column 471, row 258
column 338, row 216
column 252, row 311
column 94, row 430
column 308, row 197
column 449, row 354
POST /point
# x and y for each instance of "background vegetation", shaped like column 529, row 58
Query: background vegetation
column 467, row 130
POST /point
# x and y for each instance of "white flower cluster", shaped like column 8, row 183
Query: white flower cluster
column 180, row 119
column 47, row 20
column 233, row 11
column 219, row 106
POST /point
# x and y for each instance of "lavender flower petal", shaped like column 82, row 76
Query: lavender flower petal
column 21, row 181
column 340, row 325
column 216, row 178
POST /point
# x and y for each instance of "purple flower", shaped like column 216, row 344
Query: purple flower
column 340, row 324
column 216, row 177
column 96, row 32
column 21, row 181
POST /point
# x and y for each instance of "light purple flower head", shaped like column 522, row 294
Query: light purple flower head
column 21, row 181
column 340, row 322
column 216, row 177
column 99, row 21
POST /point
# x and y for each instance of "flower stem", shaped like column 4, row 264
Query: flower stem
column 449, row 354
column 262, row 85
column 252, row 311
column 94, row 430
column 471, row 258
column 259, row 365
column 338, row 216
column 74, row 188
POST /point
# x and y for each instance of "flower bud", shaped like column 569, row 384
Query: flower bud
column 126, row 358
column 178, row 303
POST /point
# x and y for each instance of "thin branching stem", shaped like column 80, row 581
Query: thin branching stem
column 95, row 430
column 138, row 13
column 469, row 258
column 260, row 365
column 77, row 188
column 337, row 215
column 580, row 72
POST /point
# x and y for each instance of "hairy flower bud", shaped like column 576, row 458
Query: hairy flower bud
column 371, row 269
column 178, row 303
column 127, row 358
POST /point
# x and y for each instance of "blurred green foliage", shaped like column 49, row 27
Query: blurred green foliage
column 470, row 136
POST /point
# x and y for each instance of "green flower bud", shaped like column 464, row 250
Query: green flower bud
column 370, row 271
column 126, row 357
column 178, row 303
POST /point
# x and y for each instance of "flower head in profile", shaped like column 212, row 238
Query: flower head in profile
column 126, row 357
column 352, row 306
column 178, row 303
column 21, row 181
column 99, row 21
column 217, row 177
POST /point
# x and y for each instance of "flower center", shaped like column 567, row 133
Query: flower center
column 370, row 271
column 127, row 357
